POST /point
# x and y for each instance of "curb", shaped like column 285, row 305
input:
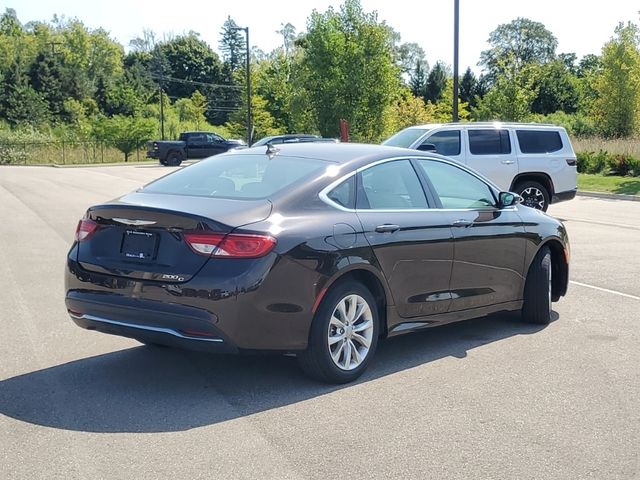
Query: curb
column 610, row 196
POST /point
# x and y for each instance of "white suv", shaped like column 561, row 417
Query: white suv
column 535, row 161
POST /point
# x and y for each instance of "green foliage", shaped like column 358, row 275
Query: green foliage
column 556, row 86
column 521, row 42
column 124, row 133
column 509, row 99
column 232, row 45
column 418, row 79
column 618, row 84
column 468, row 86
column 603, row 162
column 436, row 83
column 349, row 70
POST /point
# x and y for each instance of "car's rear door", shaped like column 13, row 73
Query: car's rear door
column 412, row 242
column 491, row 152
column 489, row 242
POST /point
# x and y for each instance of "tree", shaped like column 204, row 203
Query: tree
column 349, row 70
column 521, row 41
column 436, row 83
column 186, row 59
column 232, row 45
column 509, row 99
column 418, row 79
column 20, row 103
column 409, row 55
column 409, row 110
column 468, row 86
column 618, row 85
column 46, row 79
column 288, row 32
column 124, row 133
column 556, row 88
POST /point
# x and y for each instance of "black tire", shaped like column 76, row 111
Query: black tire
column 174, row 159
column 534, row 194
column 316, row 360
column 537, row 290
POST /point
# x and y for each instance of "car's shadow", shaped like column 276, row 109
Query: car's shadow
column 151, row 389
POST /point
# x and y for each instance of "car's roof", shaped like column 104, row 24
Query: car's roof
column 341, row 153
column 431, row 126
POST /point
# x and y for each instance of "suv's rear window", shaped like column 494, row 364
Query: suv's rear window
column 237, row 176
column 539, row 141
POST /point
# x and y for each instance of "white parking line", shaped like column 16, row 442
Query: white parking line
column 595, row 222
column 605, row 290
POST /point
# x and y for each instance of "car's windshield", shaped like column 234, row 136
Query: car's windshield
column 405, row 138
column 247, row 176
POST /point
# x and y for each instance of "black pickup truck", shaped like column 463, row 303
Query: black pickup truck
column 190, row 145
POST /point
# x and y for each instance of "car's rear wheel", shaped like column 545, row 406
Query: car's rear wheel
column 533, row 195
column 344, row 335
column 174, row 159
column 537, row 289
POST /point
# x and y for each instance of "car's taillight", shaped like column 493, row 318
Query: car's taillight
column 571, row 162
column 86, row 227
column 230, row 246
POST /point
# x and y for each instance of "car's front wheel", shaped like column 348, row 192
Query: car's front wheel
column 537, row 289
column 344, row 335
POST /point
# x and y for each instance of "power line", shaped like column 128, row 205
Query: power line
column 193, row 82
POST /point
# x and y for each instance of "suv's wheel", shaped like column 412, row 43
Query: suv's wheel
column 174, row 159
column 533, row 195
column 537, row 289
column 344, row 335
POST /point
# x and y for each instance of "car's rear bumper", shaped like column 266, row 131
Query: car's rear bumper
column 148, row 321
column 563, row 196
column 149, row 334
column 153, row 154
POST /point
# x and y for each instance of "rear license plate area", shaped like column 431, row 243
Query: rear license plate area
column 139, row 245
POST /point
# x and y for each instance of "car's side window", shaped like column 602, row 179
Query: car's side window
column 345, row 193
column 392, row 185
column 456, row 187
column 490, row 141
column 447, row 142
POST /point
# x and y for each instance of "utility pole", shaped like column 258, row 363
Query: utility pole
column 161, row 113
column 456, row 35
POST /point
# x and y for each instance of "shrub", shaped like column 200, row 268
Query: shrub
column 606, row 163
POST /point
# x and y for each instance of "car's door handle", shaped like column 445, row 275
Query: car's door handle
column 462, row 223
column 387, row 228
column 508, row 162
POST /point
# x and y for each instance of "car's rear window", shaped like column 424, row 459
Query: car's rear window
column 237, row 176
column 539, row 141
column 405, row 138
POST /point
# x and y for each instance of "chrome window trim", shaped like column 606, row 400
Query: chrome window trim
column 324, row 193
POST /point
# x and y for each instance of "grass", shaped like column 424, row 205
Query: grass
column 609, row 184
column 628, row 146
column 58, row 153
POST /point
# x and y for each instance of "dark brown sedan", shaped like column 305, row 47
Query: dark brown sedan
column 314, row 249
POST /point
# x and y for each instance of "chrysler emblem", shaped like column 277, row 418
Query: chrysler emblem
column 136, row 223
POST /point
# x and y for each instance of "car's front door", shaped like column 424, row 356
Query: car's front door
column 489, row 241
column 447, row 142
column 412, row 242
column 215, row 144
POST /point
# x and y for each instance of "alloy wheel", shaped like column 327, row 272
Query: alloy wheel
column 350, row 332
column 533, row 197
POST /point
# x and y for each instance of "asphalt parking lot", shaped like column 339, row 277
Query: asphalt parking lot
column 489, row 398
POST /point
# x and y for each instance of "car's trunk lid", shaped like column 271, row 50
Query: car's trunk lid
column 141, row 235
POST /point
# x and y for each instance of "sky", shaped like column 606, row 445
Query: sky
column 581, row 27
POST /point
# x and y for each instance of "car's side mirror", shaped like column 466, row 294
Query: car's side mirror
column 508, row 199
column 427, row 147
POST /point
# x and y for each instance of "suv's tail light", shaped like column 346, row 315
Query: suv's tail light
column 231, row 246
column 86, row 227
column 571, row 162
